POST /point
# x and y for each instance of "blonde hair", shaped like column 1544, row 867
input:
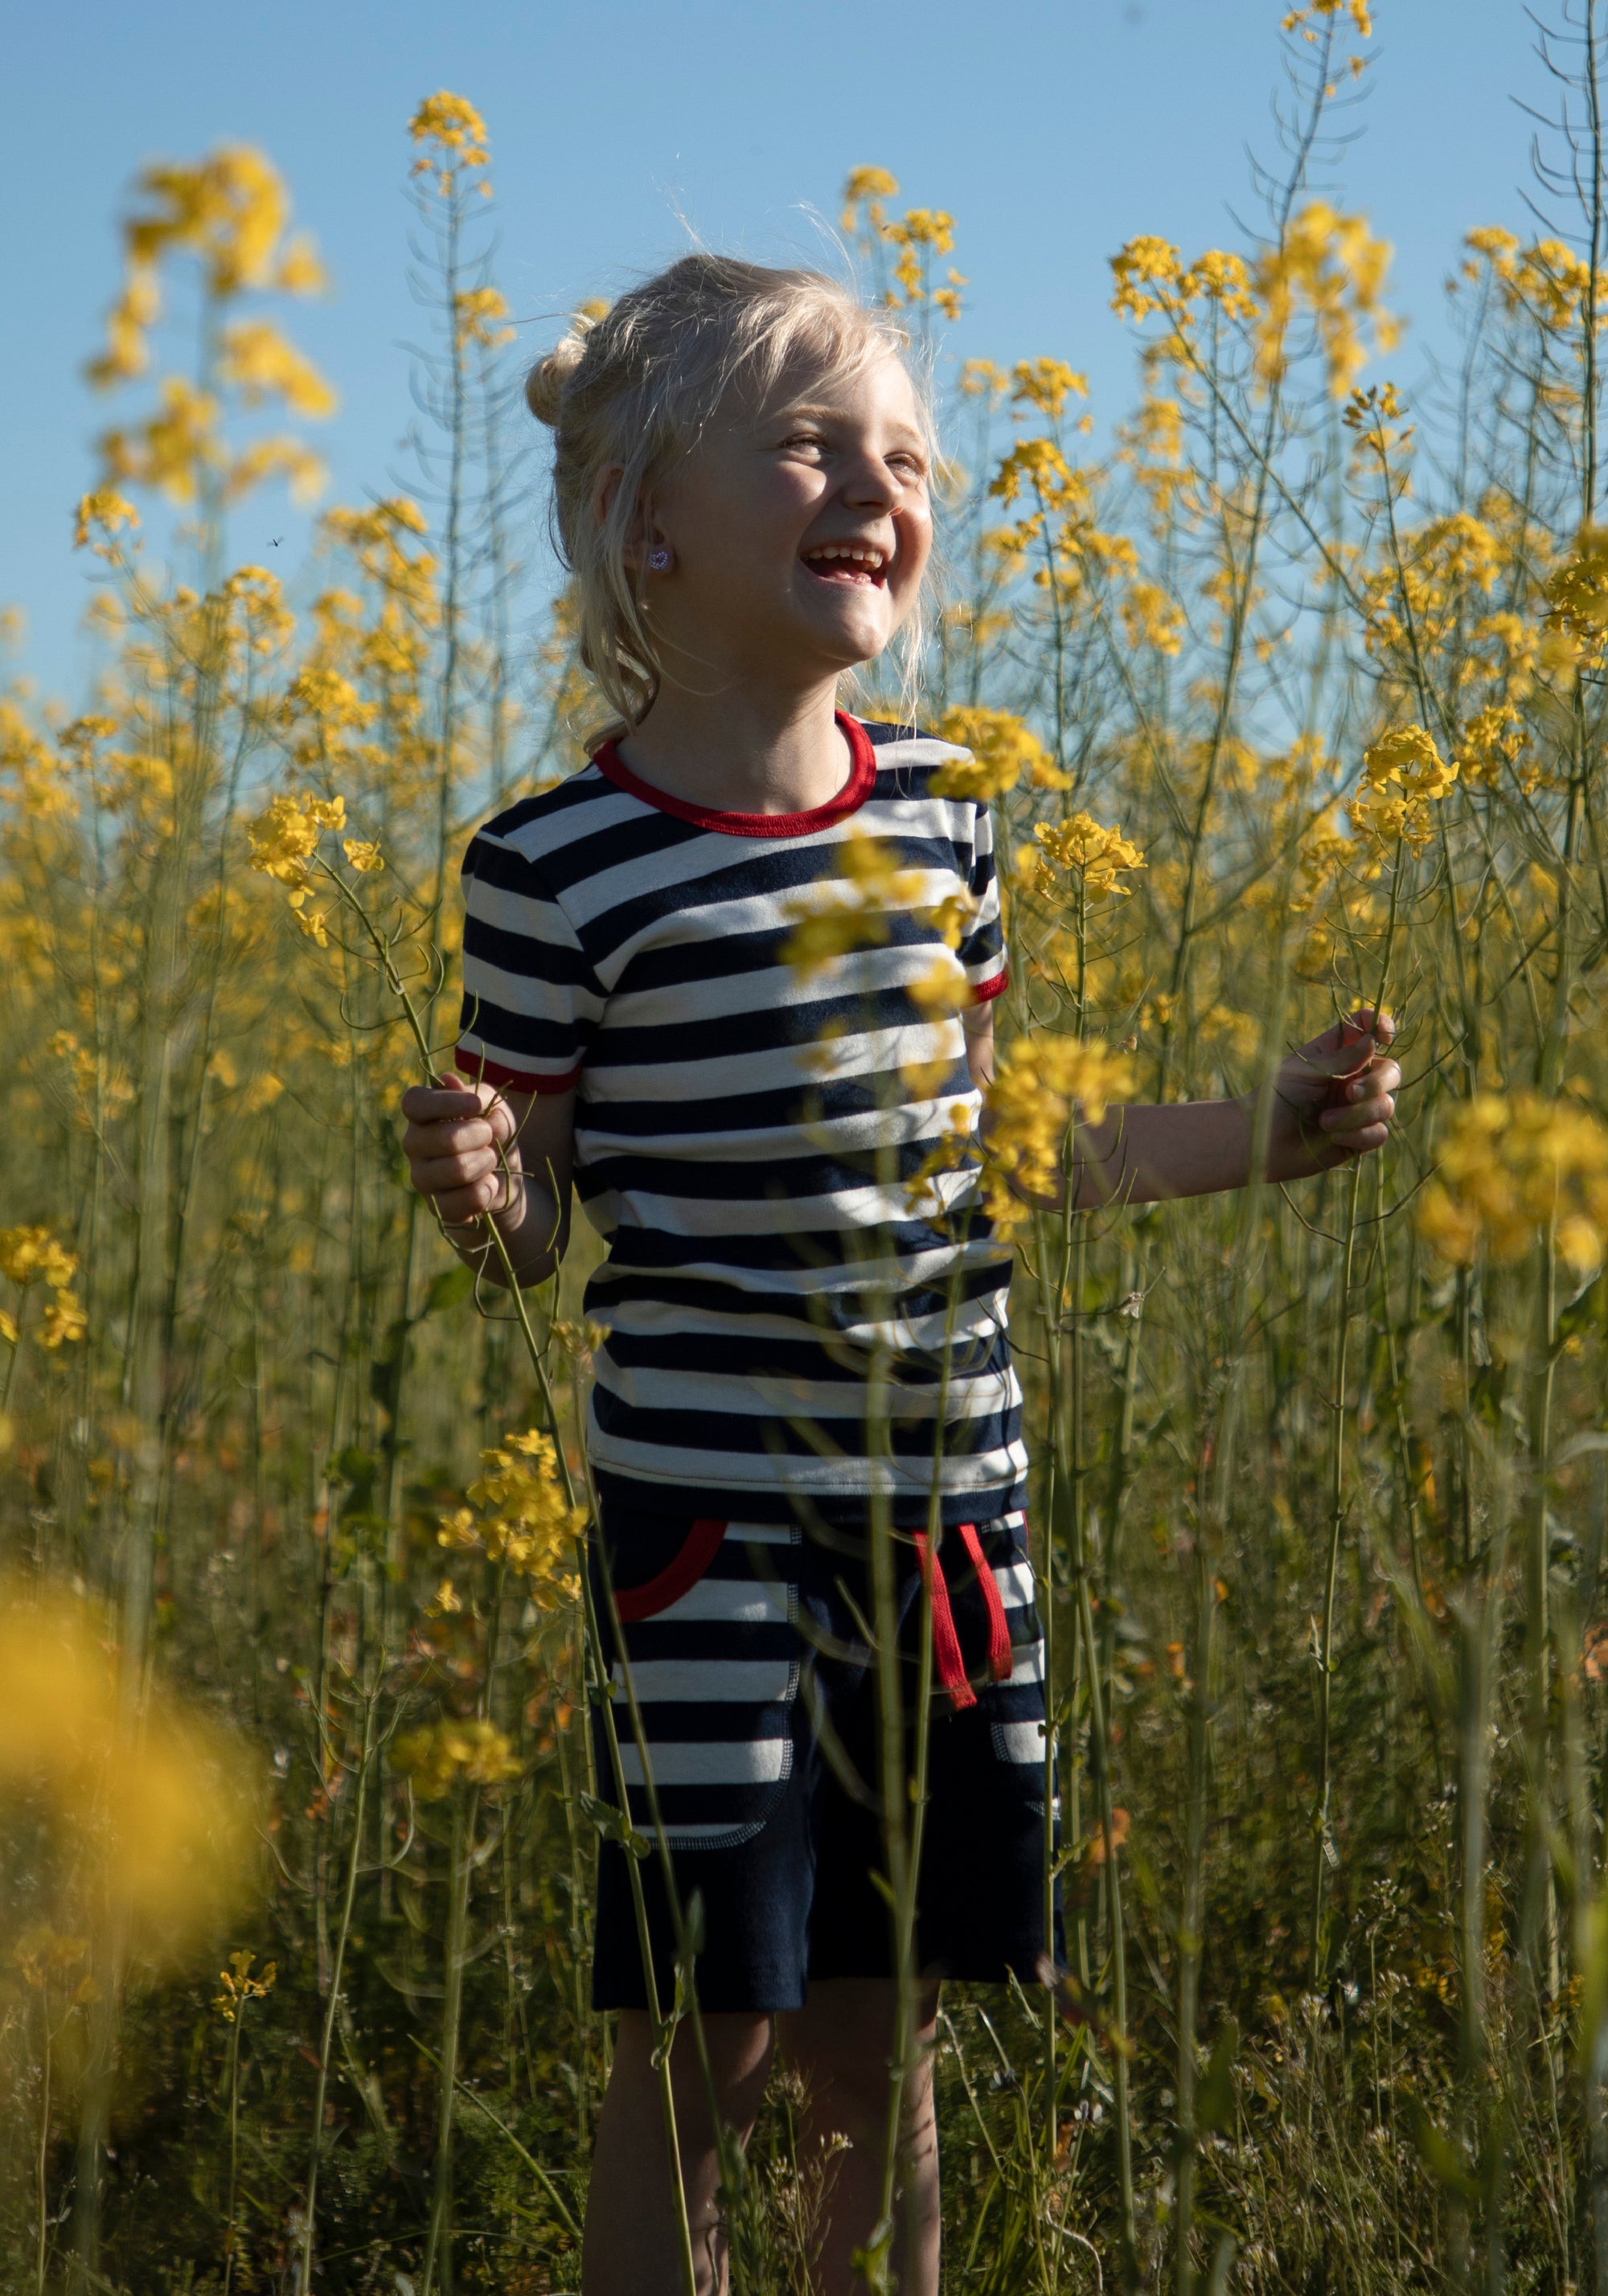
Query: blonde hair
column 636, row 387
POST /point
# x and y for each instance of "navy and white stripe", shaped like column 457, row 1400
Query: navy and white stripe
column 745, row 1134
column 716, row 1678
column 717, row 1674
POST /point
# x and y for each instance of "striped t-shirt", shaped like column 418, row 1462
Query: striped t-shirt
column 747, row 1130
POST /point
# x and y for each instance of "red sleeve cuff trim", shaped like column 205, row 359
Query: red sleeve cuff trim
column 987, row 989
column 478, row 1070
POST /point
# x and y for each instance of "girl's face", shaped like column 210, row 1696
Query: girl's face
column 799, row 531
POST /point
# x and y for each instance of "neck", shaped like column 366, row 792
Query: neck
column 743, row 750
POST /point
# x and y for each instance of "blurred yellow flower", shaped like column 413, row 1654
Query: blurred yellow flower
column 475, row 312
column 1513, row 1166
column 1577, row 595
column 1044, row 1085
column 1003, row 749
column 1047, row 383
column 456, row 130
column 852, row 911
column 1331, row 265
column 152, row 1808
column 449, row 1753
column 255, row 357
column 866, row 189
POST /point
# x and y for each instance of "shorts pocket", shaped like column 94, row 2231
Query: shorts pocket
column 680, row 1576
column 714, row 1655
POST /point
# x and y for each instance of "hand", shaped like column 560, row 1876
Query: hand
column 462, row 1149
column 1332, row 1101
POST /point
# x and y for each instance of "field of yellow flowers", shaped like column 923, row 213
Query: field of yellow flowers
column 1292, row 699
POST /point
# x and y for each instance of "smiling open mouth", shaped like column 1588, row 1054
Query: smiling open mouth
column 848, row 562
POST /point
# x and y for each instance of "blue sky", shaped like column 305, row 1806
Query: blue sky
column 1054, row 129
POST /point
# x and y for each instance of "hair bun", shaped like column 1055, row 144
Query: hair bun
column 544, row 383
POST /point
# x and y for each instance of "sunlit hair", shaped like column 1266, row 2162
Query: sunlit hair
column 637, row 386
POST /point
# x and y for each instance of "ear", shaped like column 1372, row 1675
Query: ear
column 641, row 533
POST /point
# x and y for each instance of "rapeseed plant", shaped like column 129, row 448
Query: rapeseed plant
column 1288, row 703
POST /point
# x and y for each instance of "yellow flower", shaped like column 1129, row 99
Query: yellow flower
column 867, row 188
column 943, row 988
column 455, row 129
column 64, row 1322
column 313, row 922
column 1512, row 1167
column 437, row 1759
column 1079, row 847
column 1150, row 617
column 1044, row 1086
column 1493, row 737
column 1003, row 749
column 1577, row 595
column 29, row 1255
column 258, row 360
column 1331, row 265
column 523, row 1521
column 475, row 310
column 156, row 1822
column 239, row 1986
column 104, row 510
column 1403, row 775
column 1300, row 19
column 173, row 449
column 852, row 911
column 362, row 854
column 284, row 837
column 1047, row 383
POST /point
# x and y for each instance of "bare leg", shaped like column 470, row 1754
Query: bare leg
column 631, row 2244
column 841, row 2044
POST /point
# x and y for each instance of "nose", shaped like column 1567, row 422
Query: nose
column 868, row 484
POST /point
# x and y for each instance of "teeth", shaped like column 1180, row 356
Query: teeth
column 853, row 552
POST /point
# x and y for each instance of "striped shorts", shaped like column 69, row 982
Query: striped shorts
column 747, row 1644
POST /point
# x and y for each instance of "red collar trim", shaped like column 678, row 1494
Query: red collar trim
column 856, row 790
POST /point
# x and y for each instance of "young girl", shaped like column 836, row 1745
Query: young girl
column 742, row 490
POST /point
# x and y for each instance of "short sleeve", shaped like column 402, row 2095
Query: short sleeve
column 531, row 1001
column 982, row 952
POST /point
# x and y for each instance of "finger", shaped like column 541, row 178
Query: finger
column 1346, row 1123
column 458, row 1206
column 446, row 1137
column 431, row 1173
column 1367, row 1021
column 1377, row 1081
column 1360, row 1143
column 427, row 1103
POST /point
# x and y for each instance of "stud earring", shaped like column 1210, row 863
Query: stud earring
column 658, row 557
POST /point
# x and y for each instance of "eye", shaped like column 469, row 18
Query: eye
column 798, row 440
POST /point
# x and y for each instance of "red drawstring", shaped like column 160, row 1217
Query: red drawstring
column 1001, row 1657
column 946, row 1642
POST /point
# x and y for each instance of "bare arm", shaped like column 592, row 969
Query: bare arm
column 471, row 1150
column 1332, row 1101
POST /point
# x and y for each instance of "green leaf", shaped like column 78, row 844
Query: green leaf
column 451, row 1285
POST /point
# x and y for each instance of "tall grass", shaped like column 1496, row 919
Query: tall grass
column 1321, row 1481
